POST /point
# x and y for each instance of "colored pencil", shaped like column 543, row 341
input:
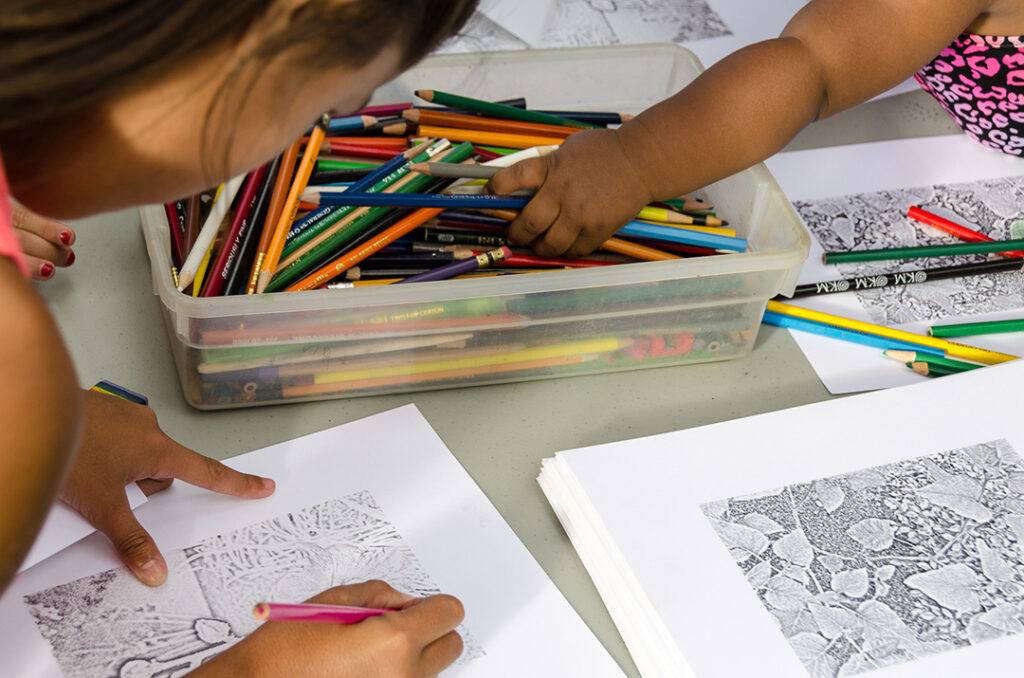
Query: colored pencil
column 976, row 328
column 843, row 334
column 921, row 275
column 637, row 251
column 473, row 122
column 460, row 171
column 923, row 251
column 339, row 265
column 668, row 216
column 952, row 349
column 953, row 228
column 238, row 271
column 351, row 122
column 208, row 232
column 277, row 199
column 601, row 119
column 333, row 176
column 496, row 110
column 385, row 110
column 455, row 268
column 291, row 205
column 908, row 357
column 240, row 224
column 338, row 147
column 505, row 139
column 193, row 207
column 176, row 226
column 423, row 200
column 310, row 612
column 518, row 260
column 683, row 236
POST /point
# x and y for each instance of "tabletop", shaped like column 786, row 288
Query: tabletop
column 112, row 323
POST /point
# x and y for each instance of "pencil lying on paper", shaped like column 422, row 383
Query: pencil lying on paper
column 923, row 251
column 333, row 614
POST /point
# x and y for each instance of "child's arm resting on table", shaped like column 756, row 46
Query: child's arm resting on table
column 40, row 414
column 417, row 640
column 832, row 55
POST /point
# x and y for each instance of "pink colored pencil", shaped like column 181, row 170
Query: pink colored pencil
column 332, row 614
column 386, row 110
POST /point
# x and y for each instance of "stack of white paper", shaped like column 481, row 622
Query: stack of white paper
column 880, row 531
column 380, row 498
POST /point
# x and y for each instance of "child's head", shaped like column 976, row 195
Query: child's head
column 107, row 103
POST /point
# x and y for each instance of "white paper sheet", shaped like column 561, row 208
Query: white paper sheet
column 940, row 167
column 390, row 468
column 64, row 526
column 916, row 486
column 524, row 20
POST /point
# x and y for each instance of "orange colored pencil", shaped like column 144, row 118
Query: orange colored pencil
column 490, row 138
column 459, row 121
column 277, row 199
column 636, row 251
column 291, row 205
column 350, row 259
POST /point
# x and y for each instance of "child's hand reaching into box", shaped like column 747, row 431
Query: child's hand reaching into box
column 587, row 190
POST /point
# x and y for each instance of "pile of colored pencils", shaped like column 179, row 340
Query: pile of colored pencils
column 394, row 194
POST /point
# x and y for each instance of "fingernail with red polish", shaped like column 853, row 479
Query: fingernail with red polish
column 65, row 237
column 46, row 270
column 71, row 258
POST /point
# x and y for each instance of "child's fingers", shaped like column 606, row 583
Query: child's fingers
column 529, row 173
column 133, row 544
column 427, row 619
column 41, row 269
column 535, row 219
column 38, row 247
column 210, row 474
column 48, row 229
column 374, row 593
column 441, row 654
column 557, row 239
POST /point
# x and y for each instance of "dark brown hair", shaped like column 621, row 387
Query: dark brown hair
column 58, row 57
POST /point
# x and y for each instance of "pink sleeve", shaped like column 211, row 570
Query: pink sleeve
column 9, row 246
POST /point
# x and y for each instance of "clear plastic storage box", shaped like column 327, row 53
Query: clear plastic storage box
column 274, row 348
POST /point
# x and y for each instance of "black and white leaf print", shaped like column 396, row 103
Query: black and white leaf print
column 873, row 533
column 954, row 587
column 885, row 565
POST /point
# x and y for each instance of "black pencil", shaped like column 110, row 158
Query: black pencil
column 235, row 280
column 880, row 280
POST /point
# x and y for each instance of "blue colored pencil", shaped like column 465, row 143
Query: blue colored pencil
column 351, row 122
column 684, row 236
column 376, row 175
column 422, row 200
column 884, row 343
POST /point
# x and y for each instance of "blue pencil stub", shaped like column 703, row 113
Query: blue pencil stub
column 110, row 388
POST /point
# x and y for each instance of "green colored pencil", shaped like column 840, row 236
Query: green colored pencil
column 328, row 165
column 497, row 110
column 972, row 329
column 925, row 251
column 929, row 370
column 910, row 357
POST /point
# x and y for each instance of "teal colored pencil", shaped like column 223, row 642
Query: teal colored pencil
column 497, row 110
column 924, row 251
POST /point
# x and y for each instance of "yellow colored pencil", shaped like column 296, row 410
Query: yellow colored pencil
column 526, row 354
column 953, row 349
column 716, row 230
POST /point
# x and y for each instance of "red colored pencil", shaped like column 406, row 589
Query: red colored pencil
column 953, row 228
column 240, row 223
column 176, row 226
column 338, row 146
column 517, row 260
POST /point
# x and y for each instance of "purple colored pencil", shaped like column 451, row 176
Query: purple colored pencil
column 332, row 614
column 385, row 110
column 460, row 267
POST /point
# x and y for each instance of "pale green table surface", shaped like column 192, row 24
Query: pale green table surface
column 112, row 323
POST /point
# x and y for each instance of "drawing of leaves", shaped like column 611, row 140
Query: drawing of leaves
column 992, row 564
column 760, row 574
column 851, row 583
column 952, row 586
column 873, row 533
column 786, row 594
column 1016, row 483
column 1000, row 621
column 742, row 541
column 866, row 479
column 794, row 548
column 715, row 509
column 1016, row 523
column 960, row 494
column 885, row 572
column 761, row 523
column 812, row 649
column 792, row 622
column 832, row 563
column 883, row 630
column 829, row 494
column 835, row 620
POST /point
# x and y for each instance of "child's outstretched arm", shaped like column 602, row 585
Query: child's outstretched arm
column 832, row 55
column 40, row 413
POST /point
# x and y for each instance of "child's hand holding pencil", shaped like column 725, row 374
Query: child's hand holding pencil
column 588, row 189
column 416, row 638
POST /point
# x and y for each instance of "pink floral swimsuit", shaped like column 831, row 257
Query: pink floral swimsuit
column 979, row 80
